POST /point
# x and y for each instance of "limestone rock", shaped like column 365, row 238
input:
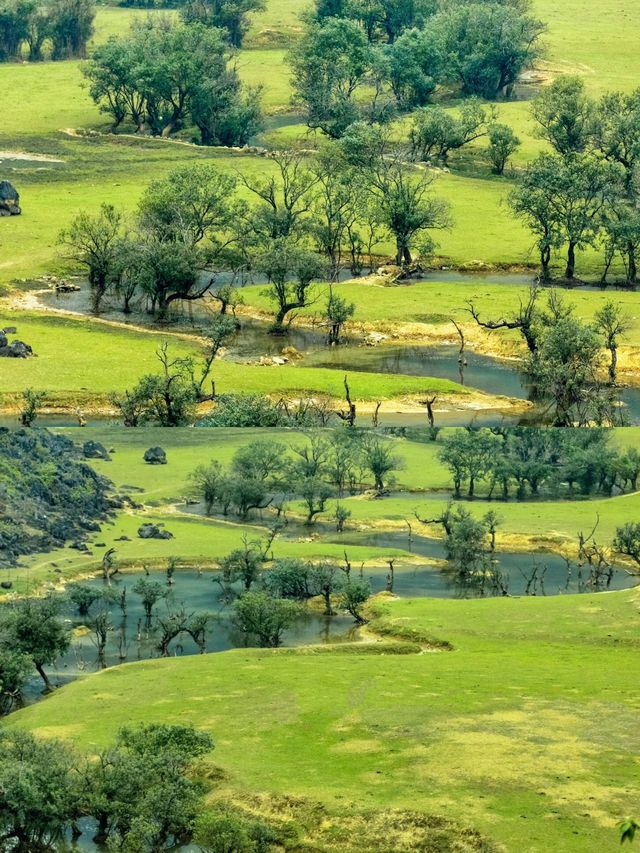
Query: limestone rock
column 153, row 531
column 9, row 200
column 95, row 450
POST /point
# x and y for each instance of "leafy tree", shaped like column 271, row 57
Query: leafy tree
column 39, row 785
column 565, row 115
column 331, row 64
column 112, row 81
column 150, row 592
column 563, row 200
column 135, row 816
column 258, row 615
column 338, row 312
column 563, row 368
column 37, row 630
column 226, row 112
column 289, row 578
column 246, row 410
column 314, row 493
column 503, row 143
column 217, row 334
column 406, row 206
column 413, row 67
column 229, row 15
column 627, row 541
column 92, row 241
column 324, row 579
column 485, row 46
column 291, row 271
column 284, row 199
column 193, row 203
column 436, row 131
column 169, row 271
column 31, row 404
column 15, row 669
column 612, row 324
column 224, row 830
column 244, row 564
column 353, row 596
column 84, row 597
column 70, row 27
column 380, row 460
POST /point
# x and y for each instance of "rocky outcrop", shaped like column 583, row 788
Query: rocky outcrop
column 15, row 349
column 153, row 531
column 155, row 456
column 9, row 200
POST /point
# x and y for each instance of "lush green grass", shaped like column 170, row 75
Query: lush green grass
column 525, row 730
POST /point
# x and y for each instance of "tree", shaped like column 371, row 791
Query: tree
column 324, row 580
column 563, row 200
column 259, row 460
column 406, row 205
column 31, row 404
column 284, row 199
column 289, row 578
column 353, row 596
column 193, row 203
column 486, row 46
column 112, row 82
column 70, row 27
column 92, row 242
column 84, row 597
column 229, row 15
column 525, row 321
column 503, row 143
column 413, row 67
column 225, row 830
column 150, row 592
column 244, row 564
column 314, row 493
column 436, row 131
column 627, row 541
column 168, row 272
column 226, row 112
column 291, row 271
column 380, row 460
column 338, row 312
column 258, row 615
column 563, row 369
column 565, row 115
column 330, row 64
column 40, row 796
column 37, row 630
column 134, row 816
column 220, row 331
column 612, row 324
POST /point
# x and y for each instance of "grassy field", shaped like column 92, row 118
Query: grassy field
column 526, row 730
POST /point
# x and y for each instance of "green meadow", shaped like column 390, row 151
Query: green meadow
column 527, row 730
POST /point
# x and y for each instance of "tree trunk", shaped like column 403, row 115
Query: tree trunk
column 613, row 364
column 632, row 273
column 545, row 260
column 571, row 261
column 48, row 686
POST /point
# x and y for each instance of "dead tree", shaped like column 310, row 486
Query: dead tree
column 348, row 416
column 109, row 568
column 391, row 575
column 523, row 321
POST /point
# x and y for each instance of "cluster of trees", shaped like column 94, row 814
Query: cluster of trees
column 368, row 60
column 571, row 364
column 59, row 29
column 142, row 793
column 527, row 463
column 585, row 192
column 167, row 75
column 267, row 473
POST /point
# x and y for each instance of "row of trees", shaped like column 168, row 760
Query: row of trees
column 168, row 75
column 529, row 463
column 367, row 60
column 585, row 193
column 59, row 29
column 308, row 220
column 268, row 474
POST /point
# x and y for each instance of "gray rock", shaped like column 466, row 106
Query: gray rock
column 6, row 584
column 10, row 330
column 155, row 456
column 16, row 349
column 9, row 200
column 153, row 531
column 95, row 450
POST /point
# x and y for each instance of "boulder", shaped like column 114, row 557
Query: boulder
column 10, row 330
column 95, row 450
column 155, row 456
column 16, row 349
column 153, row 531
column 9, row 200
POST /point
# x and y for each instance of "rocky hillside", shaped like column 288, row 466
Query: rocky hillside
column 48, row 494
